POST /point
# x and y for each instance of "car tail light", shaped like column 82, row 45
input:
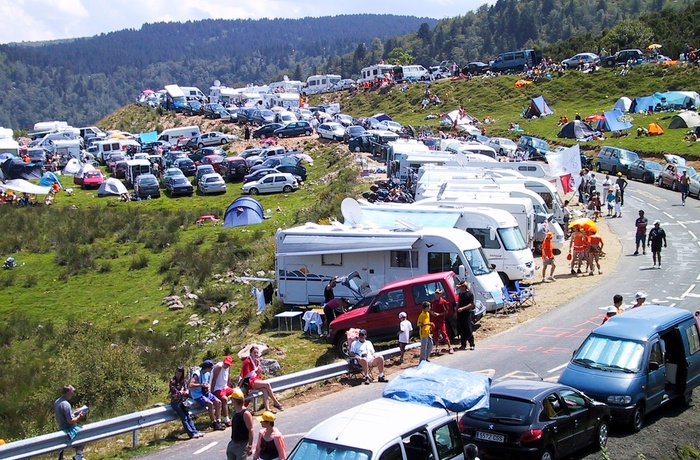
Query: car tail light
column 531, row 435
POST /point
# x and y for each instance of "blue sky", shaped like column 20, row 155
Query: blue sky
column 35, row 20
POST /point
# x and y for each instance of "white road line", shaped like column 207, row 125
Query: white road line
column 692, row 235
column 554, row 369
column 669, row 215
column 698, row 278
column 205, row 448
column 682, row 225
column 650, row 205
column 688, row 291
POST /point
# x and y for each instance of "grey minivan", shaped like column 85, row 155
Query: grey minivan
column 614, row 160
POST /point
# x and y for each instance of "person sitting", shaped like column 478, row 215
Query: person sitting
column 221, row 387
column 178, row 395
column 363, row 351
column 250, row 378
column 200, row 391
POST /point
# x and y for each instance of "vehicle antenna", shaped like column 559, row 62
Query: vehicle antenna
column 533, row 371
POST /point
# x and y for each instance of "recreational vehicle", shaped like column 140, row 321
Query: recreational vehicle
column 173, row 134
column 316, row 84
column 309, row 256
column 193, row 93
column 376, row 71
column 103, row 149
column 135, row 168
column 174, row 98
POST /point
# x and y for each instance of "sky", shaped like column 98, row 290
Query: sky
column 38, row 20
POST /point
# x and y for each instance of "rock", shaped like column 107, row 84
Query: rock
column 270, row 366
column 186, row 289
column 216, row 276
column 176, row 306
column 260, row 273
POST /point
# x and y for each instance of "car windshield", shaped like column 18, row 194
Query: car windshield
column 610, row 354
column 148, row 181
column 308, row 449
column 477, row 261
column 507, row 142
column 212, row 179
column 205, row 169
column 506, row 410
column 539, row 144
column 93, row 174
column 627, row 155
column 512, row 238
column 690, row 170
column 653, row 166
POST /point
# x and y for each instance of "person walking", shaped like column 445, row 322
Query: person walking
column 67, row 420
column 405, row 330
column 641, row 233
column 425, row 332
column 685, row 186
column 270, row 445
column 595, row 249
column 465, row 316
column 548, row 258
column 622, row 183
column 657, row 235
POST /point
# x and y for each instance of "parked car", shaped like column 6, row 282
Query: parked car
column 186, row 166
column 352, row 132
column 254, row 152
column 169, row 174
column 623, row 56
column 201, row 171
column 439, row 71
column 201, row 153
column 304, row 114
column 645, row 170
column 93, row 179
column 581, row 58
column 267, row 130
column 538, row 420
column 263, row 117
column 146, row 185
column 390, row 125
column 614, row 160
column 298, row 171
column 694, row 185
column 149, row 147
column 296, row 128
column 331, row 130
column 119, row 170
column 272, row 183
column 476, row 68
column 345, row 83
column 179, row 186
column 272, row 162
column 215, row 111
column 245, row 115
column 113, row 160
column 173, row 155
column 670, row 176
column 534, row 148
column 214, row 160
column 211, row 183
column 502, row 145
column 193, row 107
column 210, row 138
column 344, row 119
column 233, row 168
column 285, row 117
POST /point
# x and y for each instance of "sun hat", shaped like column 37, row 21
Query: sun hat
column 640, row 295
column 238, row 394
column 403, row 314
column 267, row 416
column 228, row 360
column 657, row 222
column 611, row 310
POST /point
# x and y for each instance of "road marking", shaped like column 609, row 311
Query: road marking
column 520, row 375
column 692, row 235
column 488, row 372
column 205, row 448
column 698, row 278
column 554, row 369
column 688, row 291
column 682, row 225
column 669, row 216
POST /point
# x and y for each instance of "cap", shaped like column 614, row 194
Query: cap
column 208, row 364
column 238, row 394
column 438, row 291
column 657, row 222
column 228, row 360
column 403, row 314
column 611, row 310
column 640, row 295
column 550, row 235
column 362, row 332
column 619, row 174
column 267, row 416
column 464, row 284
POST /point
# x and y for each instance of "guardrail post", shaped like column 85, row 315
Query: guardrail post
column 135, row 438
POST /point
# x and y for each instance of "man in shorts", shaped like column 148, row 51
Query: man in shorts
column 641, row 234
column 656, row 237
column 200, row 391
column 548, row 258
column 220, row 385
column 685, row 186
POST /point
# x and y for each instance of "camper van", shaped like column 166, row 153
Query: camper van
column 496, row 230
column 173, row 134
column 515, row 61
column 135, row 168
column 309, row 256
column 7, row 142
column 410, row 73
column 375, row 71
column 316, row 84
column 193, row 93
column 103, row 149
column 174, row 98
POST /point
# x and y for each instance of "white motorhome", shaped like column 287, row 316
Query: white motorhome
column 286, row 86
column 66, row 149
column 7, row 142
column 415, row 72
column 136, row 168
column 496, row 230
column 376, row 71
column 523, row 168
column 289, row 101
column 316, row 84
column 173, row 134
column 308, row 256
column 103, row 149
column 192, row 92
column 471, row 147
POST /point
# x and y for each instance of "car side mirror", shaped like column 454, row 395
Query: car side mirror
column 653, row 366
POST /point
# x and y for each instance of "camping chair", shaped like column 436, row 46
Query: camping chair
column 526, row 295
column 510, row 304
column 354, row 367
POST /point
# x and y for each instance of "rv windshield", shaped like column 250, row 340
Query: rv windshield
column 512, row 238
column 308, row 449
column 477, row 261
column 610, row 354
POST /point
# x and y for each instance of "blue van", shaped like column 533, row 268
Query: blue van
column 638, row 361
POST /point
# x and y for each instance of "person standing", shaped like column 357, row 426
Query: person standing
column 657, row 235
column 440, row 311
column 405, row 330
column 329, row 311
column 685, row 186
column 270, row 445
column 595, row 249
column 641, row 234
column 622, row 183
column 618, row 202
column 425, row 329
column 220, row 385
column 465, row 316
column 242, row 435
column 67, row 420
column 548, row 258
column 246, row 132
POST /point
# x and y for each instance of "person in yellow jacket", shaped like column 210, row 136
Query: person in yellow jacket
column 425, row 332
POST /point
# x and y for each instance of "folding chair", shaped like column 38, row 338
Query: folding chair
column 526, row 295
column 510, row 305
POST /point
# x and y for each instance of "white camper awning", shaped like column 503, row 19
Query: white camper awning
column 308, row 245
column 388, row 218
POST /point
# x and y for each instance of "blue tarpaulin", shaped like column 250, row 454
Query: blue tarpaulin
column 437, row 386
column 612, row 121
column 151, row 136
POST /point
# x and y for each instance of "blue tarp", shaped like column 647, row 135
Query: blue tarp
column 49, row 179
column 437, row 386
column 151, row 136
column 612, row 121
column 244, row 210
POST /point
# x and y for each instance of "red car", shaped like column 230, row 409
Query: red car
column 93, row 179
column 214, row 160
column 119, row 170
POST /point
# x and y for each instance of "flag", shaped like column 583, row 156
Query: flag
column 567, row 183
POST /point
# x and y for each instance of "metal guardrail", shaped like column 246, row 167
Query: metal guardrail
column 131, row 423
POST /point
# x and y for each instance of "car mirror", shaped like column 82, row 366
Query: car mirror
column 653, row 366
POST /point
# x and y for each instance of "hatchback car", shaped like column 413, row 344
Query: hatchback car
column 146, row 185
column 502, row 145
column 202, row 170
column 193, row 108
column 352, row 132
column 263, row 117
column 476, row 68
column 201, row 153
column 272, row 183
column 331, row 130
column 296, row 128
column 93, row 179
column 210, row 138
column 644, row 170
column 186, row 166
column 215, row 111
column 169, row 174
column 389, row 125
column 579, row 59
column 211, row 183
column 179, row 186
column 670, row 176
column 267, row 130
column 214, row 160
column 533, row 419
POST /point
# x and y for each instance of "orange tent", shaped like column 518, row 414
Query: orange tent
column 655, row 129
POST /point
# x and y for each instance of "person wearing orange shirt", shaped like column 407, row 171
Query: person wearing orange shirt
column 548, row 258
column 579, row 245
column 595, row 248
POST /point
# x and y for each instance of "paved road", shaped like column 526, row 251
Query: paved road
column 542, row 346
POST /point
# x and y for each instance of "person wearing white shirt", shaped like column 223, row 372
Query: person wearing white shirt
column 405, row 330
column 363, row 351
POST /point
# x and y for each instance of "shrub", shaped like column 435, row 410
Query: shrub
column 138, row 262
column 31, row 279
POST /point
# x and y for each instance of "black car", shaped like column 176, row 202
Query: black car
column 298, row 171
column 266, row 130
column 215, row 111
column 623, row 57
column 586, row 162
column 269, row 163
column 352, row 132
column 179, row 186
column 263, row 117
column 149, row 147
column 476, row 68
column 245, row 115
column 534, row 419
column 201, row 153
column 645, row 170
column 193, row 108
column 233, row 168
column 146, row 185
column 295, row 128
column 185, row 165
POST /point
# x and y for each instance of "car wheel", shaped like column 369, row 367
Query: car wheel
column 223, row 141
column 637, row 420
column 613, row 171
column 280, row 135
column 674, row 186
column 200, row 145
column 254, row 191
column 647, row 178
column 629, row 176
column 287, row 188
column 308, row 132
column 547, row 454
column 598, row 168
column 341, row 345
column 602, row 435
column 357, row 149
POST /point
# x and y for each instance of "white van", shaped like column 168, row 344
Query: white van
column 192, row 92
column 103, row 149
column 136, row 168
column 415, row 73
column 316, row 84
column 173, row 134
column 375, row 71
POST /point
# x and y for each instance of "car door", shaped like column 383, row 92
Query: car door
column 656, row 374
column 280, row 183
column 560, row 425
column 584, row 422
column 383, row 313
column 266, row 184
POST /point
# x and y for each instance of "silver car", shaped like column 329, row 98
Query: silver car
column 581, row 58
column 280, row 182
column 211, row 183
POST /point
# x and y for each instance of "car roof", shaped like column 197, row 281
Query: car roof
column 211, row 175
column 530, row 390
column 642, row 322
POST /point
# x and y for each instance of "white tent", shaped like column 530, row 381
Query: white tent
column 111, row 186
column 24, row 186
column 624, row 104
column 84, row 167
column 449, row 118
column 72, row 167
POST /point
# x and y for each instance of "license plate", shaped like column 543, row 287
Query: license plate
column 490, row 437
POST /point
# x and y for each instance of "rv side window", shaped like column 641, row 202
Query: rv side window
column 332, row 259
column 404, row 259
column 483, row 236
column 442, row 261
column 691, row 334
column 447, row 441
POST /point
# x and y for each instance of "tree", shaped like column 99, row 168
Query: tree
column 424, row 32
column 400, row 57
column 629, row 33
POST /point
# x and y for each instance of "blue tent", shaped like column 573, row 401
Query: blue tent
column 538, row 108
column 49, row 179
column 612, row 121
column 644, row 103
column 244, row 210
column 17, row 169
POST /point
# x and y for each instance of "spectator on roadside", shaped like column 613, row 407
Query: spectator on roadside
column 221, row 387
column 639, row 299
column 425, row 332
column 67, row 420
column 250, row 378
column 548, row 258
column 440, row 310
column 465, row 316
column 270, row 445
column 363, row 351
column 178, row 396
column 242, row 435
column 609, row 313
column 657, row 235
column 405, row 330
column 640, row 236
column 200, row 391
column 622, row 183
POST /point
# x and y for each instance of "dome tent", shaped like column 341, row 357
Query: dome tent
column 685, row 119
column 244, row 210
column 576, row 129
column 623, row 104
column 111, row 187
column 538, row 108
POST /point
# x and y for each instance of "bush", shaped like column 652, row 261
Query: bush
column 138, row 262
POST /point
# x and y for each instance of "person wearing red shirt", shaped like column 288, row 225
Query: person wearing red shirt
column 251, row 379
column 548, row 258
column 440, row 310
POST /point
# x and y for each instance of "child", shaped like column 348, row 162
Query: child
column 610, row 200
column 425, row 331
column 405, row 329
